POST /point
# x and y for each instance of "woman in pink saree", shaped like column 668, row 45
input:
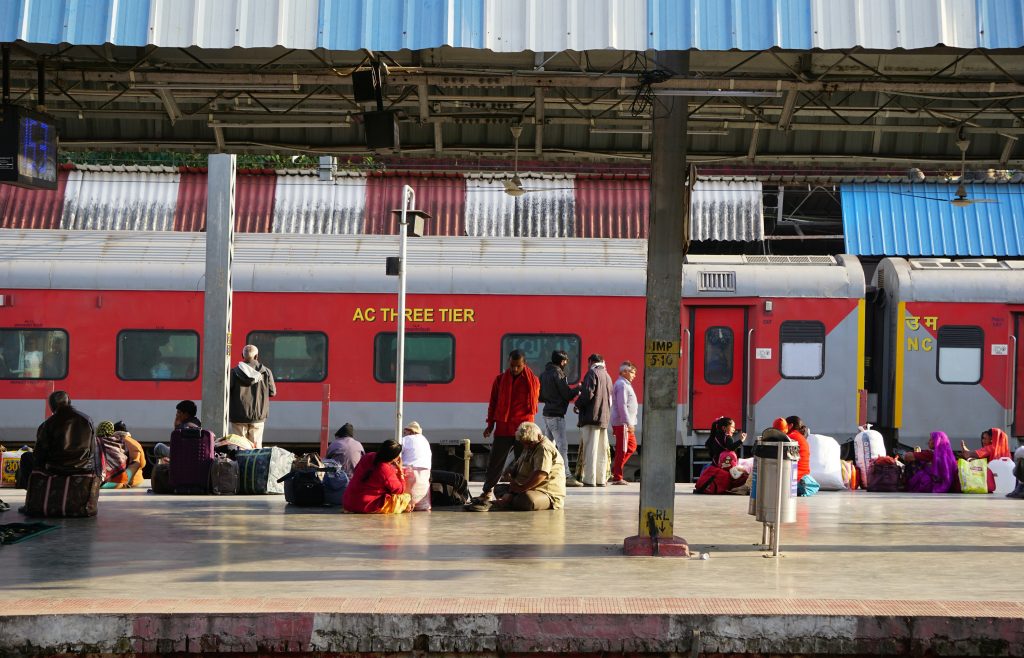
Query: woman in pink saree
column 937, row 474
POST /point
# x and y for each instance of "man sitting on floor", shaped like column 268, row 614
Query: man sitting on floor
column 537, row 476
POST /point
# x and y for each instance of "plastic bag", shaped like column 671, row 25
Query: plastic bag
column 973, row 476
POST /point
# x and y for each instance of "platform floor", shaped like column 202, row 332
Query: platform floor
column 849, row 555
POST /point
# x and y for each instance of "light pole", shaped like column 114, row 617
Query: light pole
column 411, row 222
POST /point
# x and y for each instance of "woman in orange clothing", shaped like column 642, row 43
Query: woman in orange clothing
column 805, row 485
column 378, row 483
column 125, row 471
column 994, row 445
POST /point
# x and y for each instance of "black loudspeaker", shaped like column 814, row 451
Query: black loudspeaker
column 381, row 129
column 362, row 86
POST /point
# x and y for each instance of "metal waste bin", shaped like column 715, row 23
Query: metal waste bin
column 764, row 489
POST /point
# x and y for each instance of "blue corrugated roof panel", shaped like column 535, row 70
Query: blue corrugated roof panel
column 1000, row 23
column 400, row 24
column 729, row 24
column 904, row 220
column 75, row 21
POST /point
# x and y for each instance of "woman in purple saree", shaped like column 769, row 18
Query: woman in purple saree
column 937, row 471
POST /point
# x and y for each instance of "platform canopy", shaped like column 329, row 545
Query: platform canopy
column 807, row 83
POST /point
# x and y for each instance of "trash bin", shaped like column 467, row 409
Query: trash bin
column 764, row 487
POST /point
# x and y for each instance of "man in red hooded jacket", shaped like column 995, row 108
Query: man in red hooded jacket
column 514, row 396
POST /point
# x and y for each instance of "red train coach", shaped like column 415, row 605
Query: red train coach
column 116, row 318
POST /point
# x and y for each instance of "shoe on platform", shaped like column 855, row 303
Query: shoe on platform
column 619, row 482
column 573, row 482
column 479, row 506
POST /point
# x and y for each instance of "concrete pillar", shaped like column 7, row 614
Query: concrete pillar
column 220, row 251
column 666, row 246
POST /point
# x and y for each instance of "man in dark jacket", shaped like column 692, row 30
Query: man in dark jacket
column 556, row 394
column 594, row 406
column 64, row 442
column 252, row 386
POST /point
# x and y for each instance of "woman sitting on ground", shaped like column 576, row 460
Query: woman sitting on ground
column 721, row 477
column 378, row 485
column 722, row 431
column 937, row 471
column 994, row 445
column 124, row 458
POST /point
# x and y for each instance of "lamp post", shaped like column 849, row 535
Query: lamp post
column 411, row 222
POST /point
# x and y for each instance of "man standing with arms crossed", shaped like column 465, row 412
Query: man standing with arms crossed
column 556, row 394
column 624, row 411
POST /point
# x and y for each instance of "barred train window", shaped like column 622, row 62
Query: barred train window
column 718, row 350
column 157, row 355
column 538, row 349
column 429, row 358
column 802, row 349
column 959, row 356
column 33, row 354
column 293, row 356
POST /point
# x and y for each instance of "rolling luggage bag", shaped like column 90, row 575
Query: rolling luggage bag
column 62, row 495
column 261, row 469
column 160, row 480
column 224, row 476
column 335, row 482
column 448, row 489
column 191, row 458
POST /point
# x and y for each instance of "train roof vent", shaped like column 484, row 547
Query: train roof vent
column 967, row 264
column 717, row 282
column 789, row 260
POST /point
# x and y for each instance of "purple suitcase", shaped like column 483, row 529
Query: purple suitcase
column 191, row 459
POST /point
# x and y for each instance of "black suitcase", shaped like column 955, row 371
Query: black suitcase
column 448, row 489
column 160, row 480
column 224, row 476
column 304, row 487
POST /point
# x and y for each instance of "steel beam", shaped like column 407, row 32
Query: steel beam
column 220, row 250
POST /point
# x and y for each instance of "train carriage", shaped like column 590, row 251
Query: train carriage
column 949, row 357
column 116, row 319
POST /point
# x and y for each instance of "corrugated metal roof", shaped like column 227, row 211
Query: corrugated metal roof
column 255, row 193
column 547, row 212
column 24, row 208
column 109, row 198
column 305, row 204
column 190, row 210
column 443, row 197
column 882, row 220
column 612, row 207
column 518, row 25
column 727, row 210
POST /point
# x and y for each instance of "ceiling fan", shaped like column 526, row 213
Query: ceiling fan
column 960, row 199
column 514, row 186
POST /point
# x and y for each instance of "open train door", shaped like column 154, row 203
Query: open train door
column 718, row 366
column 1017, row 387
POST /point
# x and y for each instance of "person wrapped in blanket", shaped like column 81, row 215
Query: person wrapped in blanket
column 722, row 477
column 378, row 484
column 123, row 457
column 933, row 470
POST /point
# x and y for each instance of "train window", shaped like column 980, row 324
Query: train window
column 538, row 349
column 718, row 349
column 802, row 349
column 293, row 356
column 960, row 354
column 429, row 357
column 33, row 354
column 144, row 355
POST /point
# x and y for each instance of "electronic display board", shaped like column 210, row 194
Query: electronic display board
column 28, row 148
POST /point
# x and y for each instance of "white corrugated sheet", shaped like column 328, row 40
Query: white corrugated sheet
column 118, row 198
column 891, row 24
column 305, row 204
column 230, row 23
column 572, row 24
column 547, row 210
column 727, row 210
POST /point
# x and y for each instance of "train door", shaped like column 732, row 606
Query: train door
column 718, row 365
column 1018, row 376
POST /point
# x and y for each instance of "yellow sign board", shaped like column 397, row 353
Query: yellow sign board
column 662, row 354
column 660, row 520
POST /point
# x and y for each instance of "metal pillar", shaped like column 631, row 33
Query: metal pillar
column 408, row 202
column 220, row 251
column 666, row 246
